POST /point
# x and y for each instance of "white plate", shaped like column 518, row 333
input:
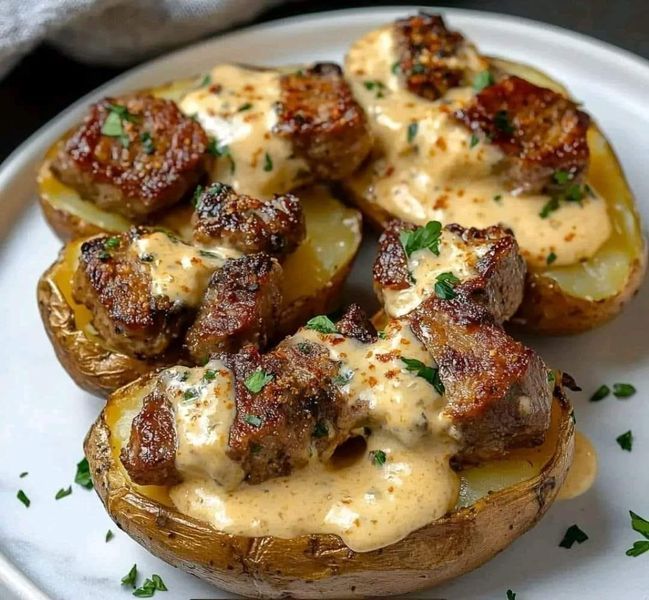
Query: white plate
column 58, row 547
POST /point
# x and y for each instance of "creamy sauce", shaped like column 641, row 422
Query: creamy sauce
column 238, row 108
column 455, row 257
column 179, row 271
column 582, row 472
column 436, row 175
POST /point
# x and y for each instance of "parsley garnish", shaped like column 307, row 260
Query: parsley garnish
column 427, row 237
column 23, row 498
column 255, row 382
column 190, row 394
column 395, row 68
column 216, row 149
column 109, row 535
column 113, row 126
column 376, row 86
column 498, row 197
column 502, row 122
column 207, row 79
column 150, row 587
column 378, row 457
column 623, row 390
column 268, row 162
column 322, row 324
column 561, row 177
column 574, row 193
column 253, row 420
column 551, row 377
column 246, row 106
column 304, row 347
column 549, row 207
column 642, row 527
column 600, row 393
column 550, row 258
column 131, row 577
column 482, row 80
column 111, row 243
column 196, row 196
column 382, row 334
column 412, row 131
column 430, row 374
column 24, row 474
column 147, row 143
column 625, row 441
column 209, row 375
column 573, row 534
column 474, row 140
column 344, row 377
column 82, row 476
column 444, row 284
column 62, row 493
column 511, row 595
column 320, row 430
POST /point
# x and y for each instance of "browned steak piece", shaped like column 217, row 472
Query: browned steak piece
column 133, row 155
column 115, row 285
column 355, row 324
column 497, row 391
column 390, row 268
column 238, row 221
column 150, row 456
column 287, row 407
column 241, row 306
column 539, row 131
column 430, row 55
column 325, row 124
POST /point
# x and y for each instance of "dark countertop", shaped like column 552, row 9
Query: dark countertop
column 26, row 102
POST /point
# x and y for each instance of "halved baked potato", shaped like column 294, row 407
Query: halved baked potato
column 561, row 296
column 499, row 501
column 333, row 238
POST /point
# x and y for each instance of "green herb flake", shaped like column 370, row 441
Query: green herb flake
column 104, row 255
column 639, row 547
column 502, row 122
column 549, row 207
column 482, row 80
column 498, row 197
column 268, row 162
column 209, row 375
column 623, row 390
column 572, row 417
column 23, row 498
column 625, row 441
column 82, row 476
column 24, row 474
column 216, row 149
column 320, row 430
column 474, row 141
column 550, row 258
column 112, row 126
column 109, row 535
column 255, row 382
column 376, row 86
column 344, row 377
column 159, row 584
column 426, row 237
column 600, row 393
column 382, row 335
column 561, row 177
column 207, row 79
column 147, row 143
column 551, row 377
column 642, row 527
column 511, row 595
column 244, row 107
column 573, row 534
column 321, row 324
column 378, row 458
column 62, row 493
column 430, row 374
column 111, row 243
column 574, row 193
column 196, row 196
column 412, row 132
column 190, row 394
column 395, row 68
column 444, row 284
column 254, row 420
column 131, row 577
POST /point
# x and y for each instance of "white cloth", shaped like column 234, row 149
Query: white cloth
column 114, row 32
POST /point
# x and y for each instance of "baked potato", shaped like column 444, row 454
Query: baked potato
column 333, row 238
column 498, row 502
column 567, row 291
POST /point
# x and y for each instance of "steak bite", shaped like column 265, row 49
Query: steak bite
column 325, row 124
column 540, row 132
column 355, row 324
column 133, row 155
column 241, row 306
column 150, row 456
column 247, row 224
column 431, row 58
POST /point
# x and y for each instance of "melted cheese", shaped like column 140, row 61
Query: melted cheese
column 436, row 175
column 179, row 271
column 238, row 108
column 583, row 470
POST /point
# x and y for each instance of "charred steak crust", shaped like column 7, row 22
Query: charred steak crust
column 241, row 306
column 327, row 127
column 355, row 323
column 390, row 268
column 275, row 226
column 146, row 157
column 539, row 131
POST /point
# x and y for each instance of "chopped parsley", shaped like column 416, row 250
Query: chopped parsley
column 150, row 587
column 207, row 79
column 625, row 441
column 131, row 577
column 642, row 527
column 395, row 68
column 430, row 374
column 549, row 207
column 375, row 86
column 322, row 324
column 82, row 476
column 482, row 80
column 427, row 237
column 320, row 430
column 561, row 177
column 23, row 498
column 104, row 255
column 444, row 284
column 572, row 417
column 412, row 131
column 209, row 375
column 378, row 458
column 147, row 143
column 62, row 493
column 574, row 193
column 190, row 394
column 304, row 347
column 573, row 534
column 109, row 535
column 111, row 243
column 550, row 258
column 344, row 377
column 474, row 140
column 216, row 149
column 268, row 162
column 245, row 106
column 254, row 420
column 113, row 126
column 511, row 595
column 502, row 122
column 623, row 390
column 24, row 474
column 382, row 335
column 498, row 197
column 551, row 377
column 255, row 382
column 600, row 393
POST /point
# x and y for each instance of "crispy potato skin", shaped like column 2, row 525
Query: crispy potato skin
column 322, row 566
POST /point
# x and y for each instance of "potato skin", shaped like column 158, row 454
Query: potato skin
column 322, row 566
